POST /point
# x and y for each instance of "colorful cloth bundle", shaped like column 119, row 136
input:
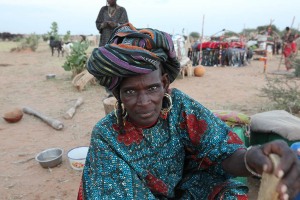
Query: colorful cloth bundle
column 132, row 52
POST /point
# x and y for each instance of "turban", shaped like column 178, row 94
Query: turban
column 132, row 52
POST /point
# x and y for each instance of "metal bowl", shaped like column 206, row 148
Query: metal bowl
column 50, row 157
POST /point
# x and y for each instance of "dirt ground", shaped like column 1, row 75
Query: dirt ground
column 23, row 83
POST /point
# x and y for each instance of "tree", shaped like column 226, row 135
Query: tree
column 230, row 34
column 67, row 36
column 54, row 30
column 263, row 29
column 248, row 32
column 195, row 35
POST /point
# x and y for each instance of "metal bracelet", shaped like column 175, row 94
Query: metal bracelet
column 247, row 166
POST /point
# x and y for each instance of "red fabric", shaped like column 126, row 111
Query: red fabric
column 156, row 185
column 218, row 188
column 237, row 44
column 196, row 128
column 216, row 45
column 131, row 135
column 213, row 45
column 80, row 192
column 234, row 138
column 289, row 48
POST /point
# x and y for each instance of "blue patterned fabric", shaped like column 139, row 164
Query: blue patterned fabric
column 179, row 157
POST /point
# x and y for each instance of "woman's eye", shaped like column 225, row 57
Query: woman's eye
column 129, row 92
column 153, row 88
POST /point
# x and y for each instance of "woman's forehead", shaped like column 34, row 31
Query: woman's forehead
column 144, row 79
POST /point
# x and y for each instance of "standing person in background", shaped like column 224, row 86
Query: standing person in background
column 286, row 34
column 109, row 17
column 289, row 51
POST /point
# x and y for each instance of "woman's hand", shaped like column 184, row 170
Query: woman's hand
column 288, row 169
column 112, row 24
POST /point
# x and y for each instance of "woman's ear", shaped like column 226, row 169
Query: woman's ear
column 165, row 81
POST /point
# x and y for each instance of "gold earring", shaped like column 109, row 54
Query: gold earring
column 124, row 113
column 164, row 111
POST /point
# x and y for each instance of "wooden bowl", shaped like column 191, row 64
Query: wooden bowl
column 13, row 116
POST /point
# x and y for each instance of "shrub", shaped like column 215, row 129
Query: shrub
column 297, row 67
column 285, row 92
column 30, row 42
column 77, row 59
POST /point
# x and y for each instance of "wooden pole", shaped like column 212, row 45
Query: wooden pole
column 201, row 40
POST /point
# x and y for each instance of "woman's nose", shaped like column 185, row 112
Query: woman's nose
column 143, row 98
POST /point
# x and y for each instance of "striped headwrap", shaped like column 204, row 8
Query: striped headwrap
column 131, row 52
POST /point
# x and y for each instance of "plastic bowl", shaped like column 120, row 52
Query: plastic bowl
column 77, row 157
column 50, row 157
column 296, row 146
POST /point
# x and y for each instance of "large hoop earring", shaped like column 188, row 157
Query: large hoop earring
column 166, row 110
column 124, row 113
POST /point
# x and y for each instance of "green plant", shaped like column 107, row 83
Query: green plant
column 30, row 42
column 67, row 36
column 53, row 33
column 285, row 92
column 45, row 37
column 77, row 59
column 297, row 67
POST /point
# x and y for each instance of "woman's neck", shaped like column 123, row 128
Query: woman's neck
column 146, row 126
column 111, row 10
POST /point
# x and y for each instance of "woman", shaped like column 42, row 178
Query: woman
column 289, row 52
column 109, row 17
column 160, row 143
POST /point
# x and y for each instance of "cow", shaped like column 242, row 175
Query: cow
column 56, row 45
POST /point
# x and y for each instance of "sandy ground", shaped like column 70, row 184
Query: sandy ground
column 23, row 83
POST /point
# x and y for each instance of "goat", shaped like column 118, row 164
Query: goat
column 56, row 45
column 67, row 47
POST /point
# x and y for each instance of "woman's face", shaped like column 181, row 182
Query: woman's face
column 111, row 2
column 142, row 97
column 291, row 38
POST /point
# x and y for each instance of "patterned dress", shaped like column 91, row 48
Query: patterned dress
column 178, row 158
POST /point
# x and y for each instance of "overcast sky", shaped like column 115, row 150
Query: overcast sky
column 172, row 16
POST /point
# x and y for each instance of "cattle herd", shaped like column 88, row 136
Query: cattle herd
column 6, row 36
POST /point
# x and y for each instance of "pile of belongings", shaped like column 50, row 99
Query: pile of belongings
column 239, row 123
column 272, row 125
column 215, row 53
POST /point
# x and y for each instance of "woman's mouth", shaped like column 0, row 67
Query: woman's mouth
column 146, row 114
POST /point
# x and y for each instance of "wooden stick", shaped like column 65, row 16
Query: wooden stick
column 70, row 113
column 269, row 182
column 52, row 122
column 201, row 41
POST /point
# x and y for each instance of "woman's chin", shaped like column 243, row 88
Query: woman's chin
column 145, row 120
